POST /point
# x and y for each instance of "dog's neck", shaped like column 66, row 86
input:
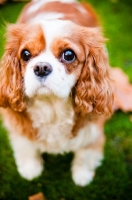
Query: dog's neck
column 51, row 112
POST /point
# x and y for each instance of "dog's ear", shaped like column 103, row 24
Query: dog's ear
column 93, row 89
column 11, row 82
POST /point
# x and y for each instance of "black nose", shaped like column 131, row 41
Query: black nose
column 42, row 69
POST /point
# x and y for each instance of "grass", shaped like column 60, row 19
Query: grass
column 113, row 180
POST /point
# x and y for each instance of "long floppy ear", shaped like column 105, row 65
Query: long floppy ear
column 11, row 83
column 93, row 89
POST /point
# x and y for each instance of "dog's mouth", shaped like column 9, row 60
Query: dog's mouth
column 43, row 90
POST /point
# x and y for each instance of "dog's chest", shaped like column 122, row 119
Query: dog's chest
column 53, row 119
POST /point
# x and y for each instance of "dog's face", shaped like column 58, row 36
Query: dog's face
column 52, row 58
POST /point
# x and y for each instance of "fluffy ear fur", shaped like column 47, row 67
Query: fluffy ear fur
column 93, row 89
column 11, row 87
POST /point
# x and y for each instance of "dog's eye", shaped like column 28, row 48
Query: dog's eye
column 68, row 56
column 25, row 55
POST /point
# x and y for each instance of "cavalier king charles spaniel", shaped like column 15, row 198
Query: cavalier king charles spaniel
column 55, row 87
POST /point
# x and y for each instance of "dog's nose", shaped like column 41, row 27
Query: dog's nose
column 42, row 69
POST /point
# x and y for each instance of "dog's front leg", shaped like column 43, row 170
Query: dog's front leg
column 86, row 160
column 28, row 159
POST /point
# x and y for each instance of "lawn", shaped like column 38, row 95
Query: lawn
column 113, row 180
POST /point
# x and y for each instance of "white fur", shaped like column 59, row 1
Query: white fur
column 38, row 3
column 54, row 120
column 58, row 82
column 56, row 29
column 51, row 112
column 54, row 125
column 81, row 9
column 53, row 117
column 47, row 16
column 68, row 1
column 84, row 165
column 27, row 156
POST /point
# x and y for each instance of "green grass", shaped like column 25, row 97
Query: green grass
column 116, row 19
column 113, row 180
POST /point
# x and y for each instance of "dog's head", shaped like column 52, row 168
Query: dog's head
column 55, row 58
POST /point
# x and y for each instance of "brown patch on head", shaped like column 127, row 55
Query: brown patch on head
column 32, row 40
column 25, row 36
column 79, row 13
column 12, row 67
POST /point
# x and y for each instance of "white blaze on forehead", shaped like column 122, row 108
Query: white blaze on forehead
column 63, row 30
column 55, row 29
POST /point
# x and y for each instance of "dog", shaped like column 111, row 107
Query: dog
column 55, row 90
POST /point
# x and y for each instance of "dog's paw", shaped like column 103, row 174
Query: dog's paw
column 82, row 177
column 31, row 169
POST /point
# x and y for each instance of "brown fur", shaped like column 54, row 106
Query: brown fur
column 93, row 90
column 21, row 121
column 13, row 68
column 92, row 95
column 51, row 124
column 89, row 18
